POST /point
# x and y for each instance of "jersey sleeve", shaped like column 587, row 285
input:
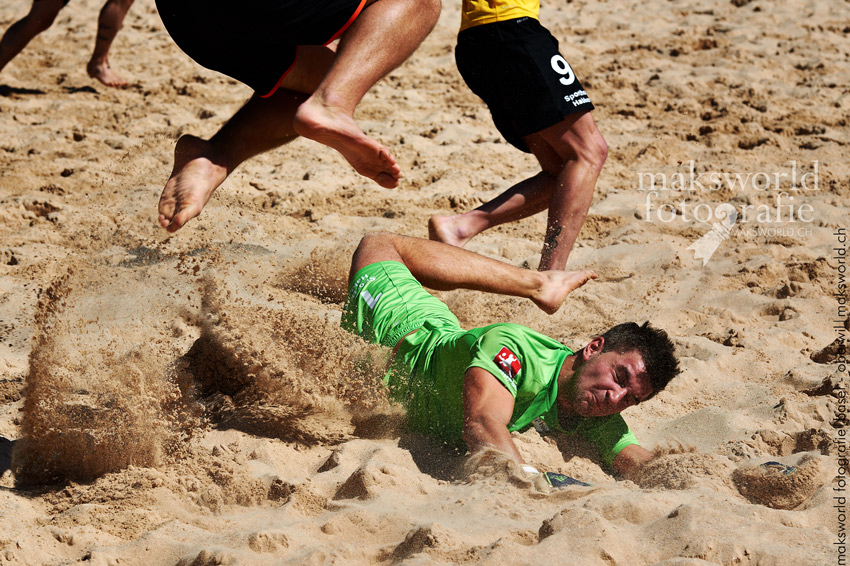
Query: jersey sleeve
column 610, row 435
column 501, row 354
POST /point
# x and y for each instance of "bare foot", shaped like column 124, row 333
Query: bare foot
column 194, row 178
column 104, row 73
column 335, row 128
column 557, row 285
column 449, row 229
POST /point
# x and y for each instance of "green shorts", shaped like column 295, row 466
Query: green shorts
column 385, row 302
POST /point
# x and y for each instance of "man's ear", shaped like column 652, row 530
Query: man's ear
column 592, row 348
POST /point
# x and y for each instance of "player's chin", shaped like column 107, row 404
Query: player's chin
column 591, row 409
column 585, row 408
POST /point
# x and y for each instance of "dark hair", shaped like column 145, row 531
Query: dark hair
column 653, row 345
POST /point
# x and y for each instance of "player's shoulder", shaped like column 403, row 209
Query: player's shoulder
column 522, row 338
column 508, row 328
column 505, row 331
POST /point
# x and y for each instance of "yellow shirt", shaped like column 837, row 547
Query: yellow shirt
column 477, row 12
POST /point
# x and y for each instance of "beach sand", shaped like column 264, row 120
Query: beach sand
column 190, row 399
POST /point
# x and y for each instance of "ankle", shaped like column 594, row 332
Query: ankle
column 330, row 102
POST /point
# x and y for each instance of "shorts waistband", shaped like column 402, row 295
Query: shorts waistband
column 500, row 31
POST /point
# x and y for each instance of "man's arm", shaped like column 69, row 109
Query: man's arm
column 487, row 410
column 630, row 459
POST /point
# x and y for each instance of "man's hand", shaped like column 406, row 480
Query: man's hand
column 630, row 459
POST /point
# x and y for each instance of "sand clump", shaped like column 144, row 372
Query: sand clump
column 686, row 471
column 780, row 489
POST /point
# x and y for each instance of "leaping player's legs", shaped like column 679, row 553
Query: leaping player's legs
column 578, row 145
column 40, row 17
column 526, row 198
column 444, row 267
column 571, row 154
column 200, row 166
column 380, row 39
column 384, row 35
column 108, row 23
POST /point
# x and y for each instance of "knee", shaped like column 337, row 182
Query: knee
column 372, row 242
column 364, row 244
column 374, row 238
column 589, row 150
column 594, row 149
column 41, row 22
column 41, row 17
column 374, row 247
column 582, row 143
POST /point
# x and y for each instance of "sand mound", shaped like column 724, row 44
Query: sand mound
column 778, row 488
column 685, row 471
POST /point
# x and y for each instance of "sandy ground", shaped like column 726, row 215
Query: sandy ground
column 190, row 399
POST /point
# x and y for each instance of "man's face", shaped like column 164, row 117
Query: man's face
column 607, row 383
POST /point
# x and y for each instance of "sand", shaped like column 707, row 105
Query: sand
column 190, row 399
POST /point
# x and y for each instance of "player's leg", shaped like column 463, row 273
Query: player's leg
column 381, row 38
column 571, row 154
column 526, row 198
column 443, row 267
column 40, row 17
column 108, row 23
column 200, row 166
column 578, row 144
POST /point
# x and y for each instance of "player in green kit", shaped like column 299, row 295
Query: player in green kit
column 477, row 386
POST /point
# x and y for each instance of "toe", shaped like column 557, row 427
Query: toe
column 386, row 180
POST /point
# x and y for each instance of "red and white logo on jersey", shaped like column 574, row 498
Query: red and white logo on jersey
column 507, row 362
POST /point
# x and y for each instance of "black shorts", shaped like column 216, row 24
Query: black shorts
column 517, row 70
column 254, row 41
